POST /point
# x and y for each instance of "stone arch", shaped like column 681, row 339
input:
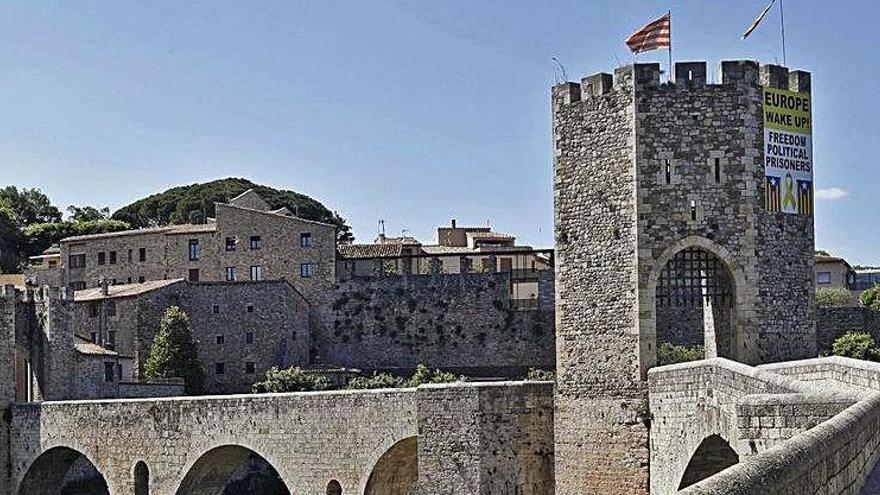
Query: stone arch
column 712, row 456
column 334, row 488
column 396, row 471
column 141, row 479
column 62, row 468
column 231, row 469
column 735, row 336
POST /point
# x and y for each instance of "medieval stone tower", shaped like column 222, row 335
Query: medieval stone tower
column 669, row 229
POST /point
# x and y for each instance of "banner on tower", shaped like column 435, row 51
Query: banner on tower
column 788, row 151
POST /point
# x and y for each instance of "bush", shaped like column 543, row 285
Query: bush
column 670, row 353
column 856, row 345
column 378, row 380
column 420, row 376
column 173, row 353
column 869, row 298
column 832, row 297
column 292, row 379
column 539, row 375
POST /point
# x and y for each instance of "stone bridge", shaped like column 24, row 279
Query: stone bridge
column 434, row 439
column 749, row 425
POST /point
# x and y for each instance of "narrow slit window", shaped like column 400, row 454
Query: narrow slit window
column 717, row 170
column 693, row 209
column 668, row 171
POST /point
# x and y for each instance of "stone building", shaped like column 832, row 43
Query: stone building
column 246, row 241
column 241, row 329
column 833, row 272
column 660, row 202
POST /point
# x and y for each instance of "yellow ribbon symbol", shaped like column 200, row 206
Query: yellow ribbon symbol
column 789, row 194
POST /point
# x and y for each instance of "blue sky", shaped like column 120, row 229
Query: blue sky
column 409, row 111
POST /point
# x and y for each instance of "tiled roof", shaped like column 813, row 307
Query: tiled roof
column 188, row 228
column 489, row 235
column 124, row 290
column 17, row 280
column 447, row 250
column 405, row 240
column 85, row 346
column 108, row 235
column 355, row 251
column 278, row 215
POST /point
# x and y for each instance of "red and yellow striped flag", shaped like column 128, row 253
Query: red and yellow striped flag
column 655, row 34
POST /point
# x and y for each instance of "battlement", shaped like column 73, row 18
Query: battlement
column 687, row 75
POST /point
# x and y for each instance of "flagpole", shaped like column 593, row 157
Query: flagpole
column 669, row 13
column 782, row 22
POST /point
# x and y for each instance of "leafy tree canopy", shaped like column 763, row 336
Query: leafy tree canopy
column 10, row 241
column 193, row 203
column 857, row 345
column 290, row 380
column 173, row 354
column 87, row 213
column 39, row 236
column 29, row 206
column 827, row 296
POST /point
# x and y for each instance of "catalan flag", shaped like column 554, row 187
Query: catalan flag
column 805, row 197
column 655, row 34
column 772, row 198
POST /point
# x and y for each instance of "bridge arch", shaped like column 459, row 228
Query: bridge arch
column 59, row 468
column 396, row 471
column 217, row 469
column 695, row 288
column 141, row 476
column 713, row 455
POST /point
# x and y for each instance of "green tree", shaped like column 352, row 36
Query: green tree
column 29, row 205
column 832, row 297
column 869, row 298
column 857, row 345
column 87, row 213
column 173, row 353
column 670, row 353
column 39, row 236
column 292, row 379
column 10, row 242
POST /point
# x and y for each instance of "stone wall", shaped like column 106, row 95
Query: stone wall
column 463, row 322
column 503, row 441
column 503, row 431
column 833, row 322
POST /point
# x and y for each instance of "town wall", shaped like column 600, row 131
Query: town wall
column 833, row 322
column 462, row 322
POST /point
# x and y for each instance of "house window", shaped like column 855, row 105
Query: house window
column 215, row 309
column 77, row 286
column 119, row 372
column 230, row 274
column 77, row 260
column 129, row 280
column 53, row 263
column 129, row 255
column 256, row 242
column 305, row 239
column 102, row 258
column 249, row 367
column 219, row 368
column 110, row 308
column 306, row 270
column 141, row 279
column 194, row 275
column 142, row 254
column 112, row 257
column 109, row 371
column 231, row 243
column 95, row 309
column 249, row 338
column 250, row 308
column 193, row 249
column 221, row 339
column 257, row 272
column 94, row 337
column 823, row 277
column 111, row 339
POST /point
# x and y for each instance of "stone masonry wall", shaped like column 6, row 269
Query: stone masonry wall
column 463, row 322
column 833, row 322
column 502, row 442
column 601, row 444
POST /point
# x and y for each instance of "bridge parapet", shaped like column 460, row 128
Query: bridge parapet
column 757, row 411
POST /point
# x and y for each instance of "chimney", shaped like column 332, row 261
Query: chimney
column 453, row 223
column 105, row 286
